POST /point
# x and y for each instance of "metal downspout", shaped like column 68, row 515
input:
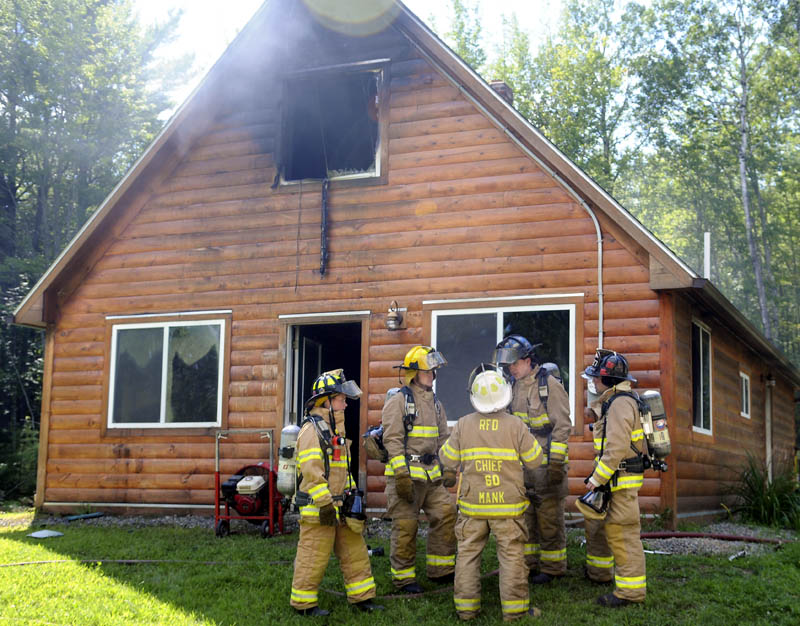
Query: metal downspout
column 550, row 172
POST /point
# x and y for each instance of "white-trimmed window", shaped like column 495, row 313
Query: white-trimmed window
column 745, row 382
column 166, row 374
column 468, row 337
column 701, row 377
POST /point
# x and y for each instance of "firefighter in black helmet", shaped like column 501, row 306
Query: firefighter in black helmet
column 613, row 527
column 323, row 461
column 542, row 403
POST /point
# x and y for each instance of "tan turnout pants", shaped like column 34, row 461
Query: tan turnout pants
column 440, row 510
column 313, row 553
column 546, row 548
column 472, row 534
column 616, row 542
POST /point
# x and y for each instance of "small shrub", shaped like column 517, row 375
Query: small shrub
column 18, row 459
column 773, row 502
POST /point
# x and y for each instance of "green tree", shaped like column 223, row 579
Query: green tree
column 464, row 36
column 583, row 88
column 80, row 98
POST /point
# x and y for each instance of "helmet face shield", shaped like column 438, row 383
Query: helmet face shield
column 350, row 389
column 431, row 361
column 506, row 356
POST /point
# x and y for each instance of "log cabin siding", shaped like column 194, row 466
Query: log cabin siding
column 464, row 213
column 708, row 464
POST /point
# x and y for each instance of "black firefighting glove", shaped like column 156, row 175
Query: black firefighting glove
column 448, row 478
column 405, row 487
column 555, row 473
column 327, row 515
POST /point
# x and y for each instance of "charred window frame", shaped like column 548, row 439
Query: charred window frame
column 334, row 123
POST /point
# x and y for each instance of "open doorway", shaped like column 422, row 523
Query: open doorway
column 317, row 348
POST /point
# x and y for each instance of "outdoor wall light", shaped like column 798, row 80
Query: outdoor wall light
column 394, row 318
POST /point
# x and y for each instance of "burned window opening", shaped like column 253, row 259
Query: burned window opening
column 332, row 126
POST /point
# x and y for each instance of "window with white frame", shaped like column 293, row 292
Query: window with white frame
column 701, row 377
column 467, row 337
column 745, row 382
column 166, row 374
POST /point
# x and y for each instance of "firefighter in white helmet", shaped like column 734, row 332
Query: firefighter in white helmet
column 326, row 496
column 542, row 403
column 611, row 507
column 414, row 428
column 491, row 447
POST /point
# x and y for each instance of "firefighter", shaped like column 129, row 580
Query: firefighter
column 323, row 461
column 613, row 528
column 491, row 447
column 414, row 428
column 542, row 403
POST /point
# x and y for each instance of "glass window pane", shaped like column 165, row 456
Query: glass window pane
column 550, row 328
column 697, row 385
column 464, row 340
column 137, row 375
column 193, row 373
column 706, row 359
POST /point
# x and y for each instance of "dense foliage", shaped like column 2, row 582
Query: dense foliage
column 687, row 112
column 763, row 500
column 80, row 97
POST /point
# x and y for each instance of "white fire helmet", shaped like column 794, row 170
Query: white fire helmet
column 489, row 389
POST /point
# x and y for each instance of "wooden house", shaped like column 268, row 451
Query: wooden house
column 332, row 166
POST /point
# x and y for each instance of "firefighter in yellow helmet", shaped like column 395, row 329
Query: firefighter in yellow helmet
column 542, row 403
column 611, row 507
column 491, row 447
column 414, row 428
column 331, row 515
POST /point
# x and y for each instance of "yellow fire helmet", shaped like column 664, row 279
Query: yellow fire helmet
column 331, row 383
column 423, row 358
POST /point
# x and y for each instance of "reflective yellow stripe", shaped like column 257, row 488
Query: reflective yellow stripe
column 599, row 561
column 540, row 420
column 531, row 549
column 402, row 574
column 424, row 431
column 603, row 470
column 531, row 454
column 450, row 452
column 435, row 560
column 554, row 555
column 493, row 510
column 628, row 482
column 630, row 582
column 306, row 597
column 598, row 444
column 471, row 454
column 354, row 589
column 558, row 447
column 637, row 435
column 342, row 463
column 397, row 462
column 511, row 607
column 319, row 491
column 311, row 453
column 522, row 414
column 467, row 604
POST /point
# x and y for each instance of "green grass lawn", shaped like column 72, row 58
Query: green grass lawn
column 195, row 578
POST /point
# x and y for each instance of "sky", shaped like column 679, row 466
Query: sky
column 208, row 26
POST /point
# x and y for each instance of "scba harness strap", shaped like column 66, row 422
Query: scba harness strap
column 634, row 464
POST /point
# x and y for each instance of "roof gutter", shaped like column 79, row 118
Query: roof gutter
column 707, row 293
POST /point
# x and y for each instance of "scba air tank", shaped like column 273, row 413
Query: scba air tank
column 287, row 460
column 658, row 437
